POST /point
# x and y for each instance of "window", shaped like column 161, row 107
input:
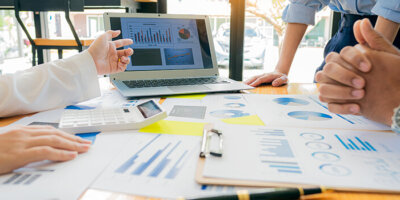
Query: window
column 88, row 24
column 15, row 53
column 261, row 48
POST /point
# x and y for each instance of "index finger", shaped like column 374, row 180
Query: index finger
column 122, row 42
column 112, row 34
column 40, row 132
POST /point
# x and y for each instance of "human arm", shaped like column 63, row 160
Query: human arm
column 292, row 39
column 63, row 82
column 387, row 28
column 20, row 146
column 389, row 18
column 298, row 14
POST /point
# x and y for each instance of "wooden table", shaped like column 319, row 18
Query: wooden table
column 292, row 88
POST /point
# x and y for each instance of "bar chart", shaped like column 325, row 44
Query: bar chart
column 283, row 167
column 275, row 151
column 156, row 159
column 157, row 164
column 150, row 35
column 269, row 132
column 28, row 175
column 275, row 148
column 355, row 144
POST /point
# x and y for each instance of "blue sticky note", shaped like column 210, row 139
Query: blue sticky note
column 79, row 107
column 88, row 136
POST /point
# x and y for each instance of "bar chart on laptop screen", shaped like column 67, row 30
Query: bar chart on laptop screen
column 150, row 35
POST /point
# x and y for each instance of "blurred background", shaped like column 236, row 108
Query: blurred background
column 264, row 30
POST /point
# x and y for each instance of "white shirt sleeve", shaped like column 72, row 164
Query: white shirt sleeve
column 48, row 86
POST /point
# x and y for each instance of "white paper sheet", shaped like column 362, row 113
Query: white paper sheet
column 157, row 166
column 305, row 111
column 64, row 180
column 218, row 106
column 274, row 110
column 332, row 158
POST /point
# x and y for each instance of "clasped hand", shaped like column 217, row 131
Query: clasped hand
column 363, row 79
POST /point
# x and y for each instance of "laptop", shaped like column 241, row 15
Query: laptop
column 173, row 54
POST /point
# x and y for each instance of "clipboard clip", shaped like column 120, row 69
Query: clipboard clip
column 205, row 145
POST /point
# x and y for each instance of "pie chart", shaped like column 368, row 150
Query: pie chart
column 309, row 116
column 228, row 114
column 291, row 101
column 232, row 97
column 235, row 105
column 184, row 33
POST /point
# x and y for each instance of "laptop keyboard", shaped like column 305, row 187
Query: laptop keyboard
column 173, row 82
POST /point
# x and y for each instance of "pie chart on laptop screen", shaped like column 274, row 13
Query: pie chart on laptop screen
column 309, row 116
column 291, row 101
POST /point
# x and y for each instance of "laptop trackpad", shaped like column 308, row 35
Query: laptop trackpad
column 189, row 88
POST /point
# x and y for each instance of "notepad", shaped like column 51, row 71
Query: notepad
column 175, row 128
column 247, row 120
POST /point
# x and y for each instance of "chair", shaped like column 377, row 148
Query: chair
column 39, row 44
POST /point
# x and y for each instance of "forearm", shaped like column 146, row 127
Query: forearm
column 293, row 36
column 387, row 28
column 49, row 86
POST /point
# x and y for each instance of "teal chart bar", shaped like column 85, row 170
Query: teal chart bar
column 355, row 144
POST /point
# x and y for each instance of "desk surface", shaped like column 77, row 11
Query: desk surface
column 293, row 88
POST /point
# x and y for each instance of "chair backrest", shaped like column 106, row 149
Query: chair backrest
column 49, row 5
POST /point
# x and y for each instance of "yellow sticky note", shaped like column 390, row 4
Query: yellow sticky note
column 247, row 120
column 175, row 128
column 189, row 96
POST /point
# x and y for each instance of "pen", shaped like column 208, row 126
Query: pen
column 276, row 194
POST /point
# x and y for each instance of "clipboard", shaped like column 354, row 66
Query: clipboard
column 263, row 184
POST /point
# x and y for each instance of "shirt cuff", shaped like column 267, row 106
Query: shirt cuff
column 88, row 79
column 297, row 13
column 388, row 9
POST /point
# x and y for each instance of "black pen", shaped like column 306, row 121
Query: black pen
column 274, row 194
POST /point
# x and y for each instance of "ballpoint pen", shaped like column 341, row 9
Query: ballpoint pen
column 266, row 194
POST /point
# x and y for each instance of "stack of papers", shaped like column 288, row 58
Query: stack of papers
column 160, row 160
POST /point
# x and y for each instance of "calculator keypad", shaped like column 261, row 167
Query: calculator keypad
column 96, row 117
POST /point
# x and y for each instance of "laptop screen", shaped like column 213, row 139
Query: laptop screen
column 165, row 43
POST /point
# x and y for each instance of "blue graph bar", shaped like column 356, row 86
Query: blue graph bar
column 289, row 171
column 127, row 164
column 175, row 170
column 352, row 145
column 362, row 143
column 355, row 146
column 284, row 166
column 370, row 146
column 279, row 162
column 341, row 141
column 139, row 170
column 269, row 132
column 156, row 171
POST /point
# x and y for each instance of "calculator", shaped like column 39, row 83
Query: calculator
column 111, row 119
